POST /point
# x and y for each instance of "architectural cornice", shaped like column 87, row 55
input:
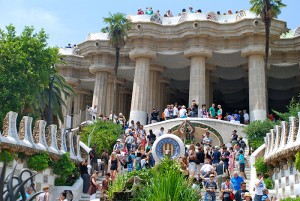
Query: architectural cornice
column 197, row 51
column 142, row 53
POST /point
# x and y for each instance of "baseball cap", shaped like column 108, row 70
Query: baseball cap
column 247, row 194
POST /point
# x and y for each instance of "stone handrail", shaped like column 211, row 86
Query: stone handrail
column 55, row 142
column 283, row 141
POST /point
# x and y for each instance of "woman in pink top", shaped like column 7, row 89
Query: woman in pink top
column 231, row 165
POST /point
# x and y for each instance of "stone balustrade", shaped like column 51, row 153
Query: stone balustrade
column 283, row 141
column 41, row 138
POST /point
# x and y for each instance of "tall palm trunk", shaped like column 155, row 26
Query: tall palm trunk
column 267, row 20
column 115, row 81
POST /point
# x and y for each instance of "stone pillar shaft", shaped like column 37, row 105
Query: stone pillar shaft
column 197, row 80
column 153, row 88
column 100, row 88
column 109, row 97
column 257, row 88
column 140, row 90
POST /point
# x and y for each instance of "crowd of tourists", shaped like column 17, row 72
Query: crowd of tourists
column 173, row 111
column 168, row 13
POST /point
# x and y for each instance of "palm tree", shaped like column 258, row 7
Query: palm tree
column 118, row 26
column 60, row 89
column 267, row 10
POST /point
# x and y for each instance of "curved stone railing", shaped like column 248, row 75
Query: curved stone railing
column 283, row 141
column 211, row 16
column 55, row 142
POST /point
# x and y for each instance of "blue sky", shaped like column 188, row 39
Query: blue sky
column 70, row 21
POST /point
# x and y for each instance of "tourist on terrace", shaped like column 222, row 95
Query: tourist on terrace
column 198, row 11
column 154, row 116
column 158, row 12
column 161, row 131
column 166, row 113
column 246, row 117
column 229, row 12
column 212, row 111
column 140, row 12
column 149, row 11
column 69, row 46
column 168, row 14
column 220, row 112
column 210, row 189
column 182, row 112
column 236, row 116
column 151, row 137
column 226, row 189
column 240, row 194
column 194, row 109
column 203, row 112
column 171, row 111
column 93, row 112
column 118, row 145
column 175, row 111
column 191, row 10
column 259, row 186
column 218, row 13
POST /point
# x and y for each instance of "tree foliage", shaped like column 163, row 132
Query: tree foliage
column 256, row 131
column 103, row 135
column 25, row 62
column 64, row 167
column 292, row 110
column 39, row 162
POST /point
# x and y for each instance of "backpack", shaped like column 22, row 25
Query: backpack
column 129, row 159
column 243, row 144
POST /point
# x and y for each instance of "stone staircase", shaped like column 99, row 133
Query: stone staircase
column 86, row 197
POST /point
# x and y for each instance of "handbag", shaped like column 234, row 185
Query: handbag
column 231, row 195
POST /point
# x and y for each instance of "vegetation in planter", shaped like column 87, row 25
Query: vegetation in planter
column 256, row 131
column 269, row 183
column 292, row 109
column 39, row 161
column 290, row 199
column 5, row 155
column 65, row 169
column 297, row 162
column 163, row 182
column 22, row 156
column 262, row 167
column 103, row 135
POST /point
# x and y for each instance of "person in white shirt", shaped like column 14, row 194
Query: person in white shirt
column 182, row 112
column 259, row 186
column 166, row 112
column 93, row 112
column 246, row 117
column 175, row 111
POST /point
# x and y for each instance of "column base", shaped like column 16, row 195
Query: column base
column 137, row 115
column 258, row 115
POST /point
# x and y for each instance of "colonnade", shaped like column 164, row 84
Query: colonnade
column 150, row 89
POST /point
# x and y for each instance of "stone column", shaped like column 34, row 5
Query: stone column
column 162, row 93
column 154, row 87
column 207, row 89
column 109, row 95
column 257, row 82
column 123, row 93
column 197, row 89
column 78, row 107
column 257, row 88
column 139, row 102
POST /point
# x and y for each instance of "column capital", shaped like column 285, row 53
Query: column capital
column 96, row 68
column 72, row 81
column 142, row 53
column 79, row 90
column 159, row 68
column 118, row 81
column 164, row 80
column 197, row 51
column 254, row 50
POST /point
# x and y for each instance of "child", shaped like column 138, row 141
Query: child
column 242, row 164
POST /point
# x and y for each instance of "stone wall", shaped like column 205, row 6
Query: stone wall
column 282, row 143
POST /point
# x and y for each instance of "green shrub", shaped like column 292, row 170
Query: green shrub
column 5, row 155
column 297, row 162
column 64, row 168
column 292, row 110
column 256, row 131
column 261, row 166
column 103, row 135
column 39, row 162
column 269, row 183
column 290, row 199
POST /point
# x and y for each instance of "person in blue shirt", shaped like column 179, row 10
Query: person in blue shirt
column 265, row 196
column 216, row 156
column 236, row 180
column 242, row 163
